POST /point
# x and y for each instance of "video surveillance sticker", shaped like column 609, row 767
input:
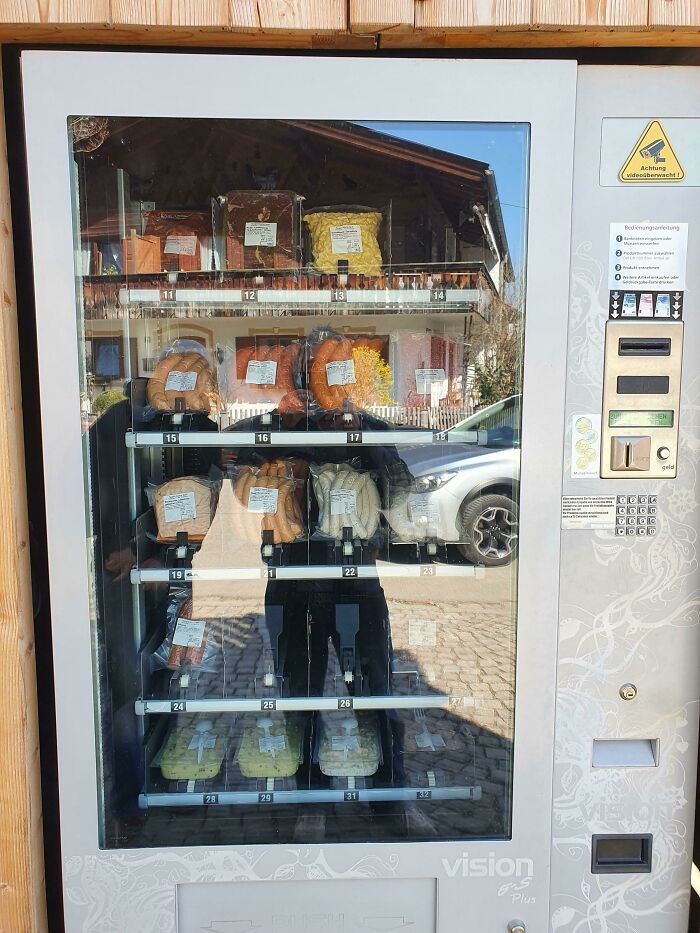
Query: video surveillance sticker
column 652, row 158
column 585, row 445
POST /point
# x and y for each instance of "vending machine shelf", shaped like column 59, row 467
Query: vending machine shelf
column 294, row 704
column 339, row 572
column 311, row 795
column 265, row 438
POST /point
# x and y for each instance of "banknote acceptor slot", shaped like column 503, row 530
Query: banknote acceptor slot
column 641, row 396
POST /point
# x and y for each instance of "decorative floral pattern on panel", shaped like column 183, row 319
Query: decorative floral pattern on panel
column 116, row 892
column 631, row 601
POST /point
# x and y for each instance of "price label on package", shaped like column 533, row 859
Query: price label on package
column 346, row 239
column 272, row 743
column 261, row 372
column 262, row 500
column 179, row 507
column 343, row 501
column 180, row 382
column 431, row 382
column 340, row 372
column 180, row 245
column 189, row 633
column 422, row 511
column 260, row 234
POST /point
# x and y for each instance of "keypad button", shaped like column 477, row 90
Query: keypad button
column 641, row 531
column 622, row 500
column 643, row 499
column 642, row 520
column 621, row 520
column 643, row 509
column 652, row 510
column 620, row 531
column 622, row 511
column 653, row 498
column 631, row 510
column 631, row 520
column 651, row 520
column 631, row 500
column 651, row 531
column 631, row 530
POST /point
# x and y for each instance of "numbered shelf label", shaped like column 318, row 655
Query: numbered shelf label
column 263, row 437
column 354, row 437
column 438, row 294
column 210, row 799
column 266, row 797
column 349, row 572
column 424, row 795
column 178, row 706
column 178, row 575
column 268, row 704
column 344, row 702
column 351, row 795
column 427, row 570
column 249, row 295
column 170, row 438
column 339, row 294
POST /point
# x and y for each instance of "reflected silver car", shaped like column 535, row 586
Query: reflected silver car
column 469, row 487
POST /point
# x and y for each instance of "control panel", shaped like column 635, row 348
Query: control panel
column 641, row 396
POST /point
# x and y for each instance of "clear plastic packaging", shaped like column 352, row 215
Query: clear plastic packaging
column 265, row 371
column 185, row 239
column 184, row 379
column 194, row 749
column 270, row 497
column 349, row 370
column 271, row 746
column 260, row 229
column 412, row 517
column 430, row 370
column 187, row 644
column 347, row 498
column 349, row 745
column 349, row 234
column 186, row 504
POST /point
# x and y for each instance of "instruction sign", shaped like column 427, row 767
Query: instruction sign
column 588, row 511
column 652, row 158
column 647, row 257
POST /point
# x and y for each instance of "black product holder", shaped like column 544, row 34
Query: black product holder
column 347, row 625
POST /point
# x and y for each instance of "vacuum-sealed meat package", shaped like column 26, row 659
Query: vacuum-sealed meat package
column 347, row 498
column 185, row 504
column 260, row 229
column 184, row 379
column 270, row 497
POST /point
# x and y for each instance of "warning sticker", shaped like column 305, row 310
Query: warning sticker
column 652, row 159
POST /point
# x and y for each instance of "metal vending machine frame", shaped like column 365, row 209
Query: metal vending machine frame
column 627, row 695
column 150, row 889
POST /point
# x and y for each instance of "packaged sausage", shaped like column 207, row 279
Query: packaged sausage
column 430, row 370
column 269, row 497
column 267, row 371
column 188, row 643
column 347, row 498
column 184, row 379
column 349, row 235
column 185, row 504
column 412, row 517
column 349, row 370
column 260, row 229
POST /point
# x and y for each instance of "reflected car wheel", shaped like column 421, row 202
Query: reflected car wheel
column 490, row 528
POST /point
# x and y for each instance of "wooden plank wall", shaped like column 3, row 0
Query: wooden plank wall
column 354, row 23
column 22, row 903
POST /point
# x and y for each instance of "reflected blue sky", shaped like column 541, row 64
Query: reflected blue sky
column 504, row 146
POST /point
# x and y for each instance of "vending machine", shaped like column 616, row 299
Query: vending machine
column 369, row 452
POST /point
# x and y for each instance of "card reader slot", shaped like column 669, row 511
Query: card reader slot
column 644, row 346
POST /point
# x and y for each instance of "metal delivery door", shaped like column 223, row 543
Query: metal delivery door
column 302, row 330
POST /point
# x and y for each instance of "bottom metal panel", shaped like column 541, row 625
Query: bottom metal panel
column 308, row 906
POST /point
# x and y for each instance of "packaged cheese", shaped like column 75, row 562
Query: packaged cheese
column 349, row 235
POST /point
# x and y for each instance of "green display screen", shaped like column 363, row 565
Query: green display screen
column 641, row 419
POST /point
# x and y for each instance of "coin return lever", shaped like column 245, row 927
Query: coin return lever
column 641, row 391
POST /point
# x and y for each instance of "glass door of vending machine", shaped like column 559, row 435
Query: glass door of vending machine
column 302, row 367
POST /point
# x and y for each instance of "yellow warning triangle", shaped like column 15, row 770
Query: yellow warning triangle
column 652, row 158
